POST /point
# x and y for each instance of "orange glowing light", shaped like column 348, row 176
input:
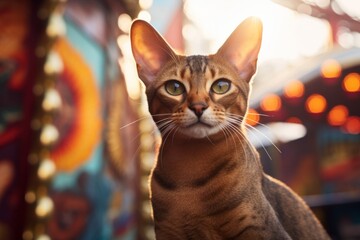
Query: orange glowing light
column 271, row 103
column 294, row 89
column 316, row 103
column 352, row 125
column 331, row 69
column 338, row 115
column 351, row 82
column 252, row 117
column 293, row 120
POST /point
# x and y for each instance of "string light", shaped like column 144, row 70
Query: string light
column 49, row 16
column 30, row 197
column 124, row 22
column 47, row 169
column 49, row 134
column 52, row 100
column 144, row 15
column 145, row 4
column 43, row 237
column 44, row 207
column 56, row 26
column 27, row 235
column 53, row 64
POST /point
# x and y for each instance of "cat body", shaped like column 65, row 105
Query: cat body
column 208, row 182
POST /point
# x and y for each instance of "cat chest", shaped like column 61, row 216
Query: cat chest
column 183, row 217
column 212, row 208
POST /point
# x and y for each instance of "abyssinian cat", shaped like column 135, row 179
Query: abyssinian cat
column 208, row 182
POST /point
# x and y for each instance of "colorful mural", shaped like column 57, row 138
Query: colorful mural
column 68, row 171
column 14, row 110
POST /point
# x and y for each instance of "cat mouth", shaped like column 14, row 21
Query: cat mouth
column 200, row 129
column 199, row 123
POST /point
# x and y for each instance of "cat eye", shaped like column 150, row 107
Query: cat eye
column 220, row 86
column 174, row 87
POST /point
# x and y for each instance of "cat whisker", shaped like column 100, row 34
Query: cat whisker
column 133, row 122
column 235, row 130
column 239, row 133
column 208, row 138
column 224, row 131
column 247, row 126
column 242, row 119
column 177, row 128
column 258, row 114
column 258, row 131
column 238, row 121
column 144, row 117
column 262, row 145
column 166, row 132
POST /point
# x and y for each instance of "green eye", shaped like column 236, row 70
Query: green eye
column 174, row 87
column 221, row 86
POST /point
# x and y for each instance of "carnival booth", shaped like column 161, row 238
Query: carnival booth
column 309, row 123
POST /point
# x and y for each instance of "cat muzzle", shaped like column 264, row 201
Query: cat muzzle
column 198, row 108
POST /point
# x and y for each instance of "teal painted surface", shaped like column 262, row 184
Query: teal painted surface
column 92, row 53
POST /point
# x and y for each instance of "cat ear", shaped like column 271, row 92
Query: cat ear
column 242, row 47
column 150, row 50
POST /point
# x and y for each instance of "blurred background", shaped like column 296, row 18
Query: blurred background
column 77, row 145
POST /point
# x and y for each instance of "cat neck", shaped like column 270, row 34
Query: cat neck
column 183, row 158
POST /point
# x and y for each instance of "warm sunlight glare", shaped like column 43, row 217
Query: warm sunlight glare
column 287, row 35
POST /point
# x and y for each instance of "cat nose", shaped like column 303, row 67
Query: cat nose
column 198, row 108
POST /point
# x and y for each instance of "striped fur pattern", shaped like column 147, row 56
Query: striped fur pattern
column 208, row 182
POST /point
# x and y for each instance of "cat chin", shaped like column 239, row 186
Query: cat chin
column 200, row 131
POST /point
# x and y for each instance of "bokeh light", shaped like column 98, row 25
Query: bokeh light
column 316, row 103
column 271, row 103
column 293, row 120
column 44, row 207
column 338, row 115
column 352, row 125
column 294, row 89
column 351, row 83
column 331, row 69
column 252, row 117
column 124, row 22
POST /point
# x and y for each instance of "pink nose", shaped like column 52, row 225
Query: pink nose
column 198, row 108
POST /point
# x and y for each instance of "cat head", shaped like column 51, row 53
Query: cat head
column 197, row 95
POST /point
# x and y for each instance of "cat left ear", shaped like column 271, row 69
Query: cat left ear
column 150, row 50
column 243, row 46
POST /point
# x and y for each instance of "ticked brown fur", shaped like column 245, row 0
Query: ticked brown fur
column 208, row 182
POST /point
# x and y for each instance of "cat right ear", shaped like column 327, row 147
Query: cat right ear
column 150, row 50
column 242, row 47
